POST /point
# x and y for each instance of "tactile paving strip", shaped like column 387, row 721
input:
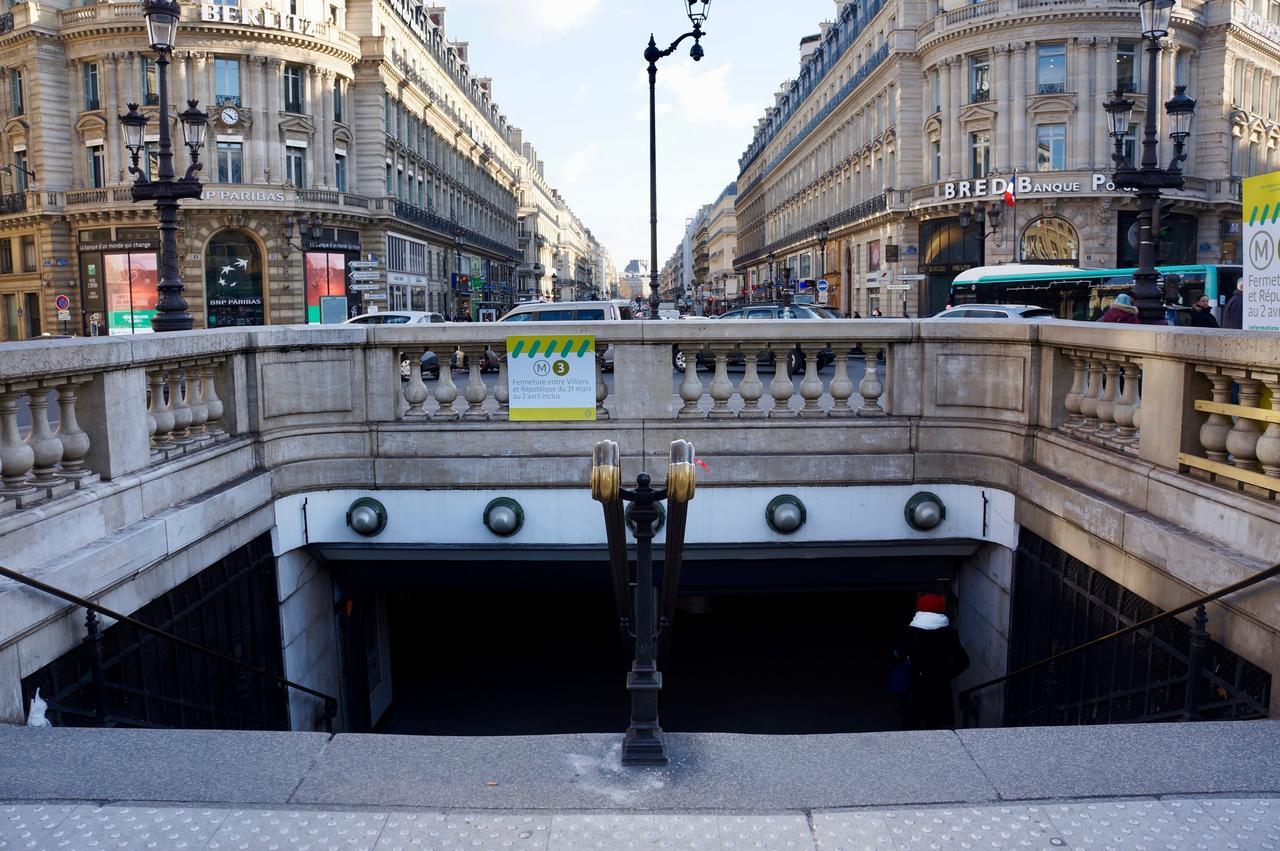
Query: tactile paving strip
column 1137, row 825
column 772, row 832
column 634, row 832
column 1252, row 824
column 943, row 828
column 251, row 830
column 470, row 831
column 865, row 831
column 27, row 825
column 171, row 828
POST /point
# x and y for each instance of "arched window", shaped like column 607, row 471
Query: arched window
column 233, row 280
column 1051, row 239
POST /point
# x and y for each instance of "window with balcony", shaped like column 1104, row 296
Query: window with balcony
column 295, row 88
column 97, row 166
column 17, row 103
column 979, row 79
column 1128, row 66
column 1051, row 69
column 295, row 165
column 230, row 162
column 89, row 84
column 150, row 85
column 226, row 82
column 340, row 171
column 979, row 154
column 1051, row 147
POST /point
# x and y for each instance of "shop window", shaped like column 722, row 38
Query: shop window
column 295, row 165
column 89, row 80
column 150, row 86
column 97, row 166
column 6, row 256
column 230, row 162
column 295, row 88
column 1051, row 69
column 1128, row 66
column 1051, row 239
column 226, row 75
column 1051, row 147
column 130, row 282
column 29, row 260
column 233, row 280
column 326, row 276
column 17, row 101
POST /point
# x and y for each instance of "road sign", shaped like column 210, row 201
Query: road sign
column 891, row 253
column 62, row 302
column 899, row 287
column 911, row 277
column 64, row 315
column 823, row 285
column 366, row 276
column 375, row 297
column 365, row 288
column 364, row 264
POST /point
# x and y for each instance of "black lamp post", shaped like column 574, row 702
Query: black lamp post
column 166, row 189
column 980, row 216
column 458, row 239
column 824, row 233
column 308, row 224
column 644, row 616
column 773, row 281
column 697, row 11
column 1149, row 177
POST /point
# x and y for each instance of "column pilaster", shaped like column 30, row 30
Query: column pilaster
column 1018, row 154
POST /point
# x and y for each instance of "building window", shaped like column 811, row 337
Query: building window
column 935, row 157
column 339, row 99
column 1130, row 147
column 28, row 254
column 89, row 73
column 935, row 90
column 20, row 171
column 16, row 101
column 1051, row 147
column 226, row 75
column 979, row 79
column 295, row 165
column 6, row 256
column 150, row 87
column 230, row 162
column 391, row 187
column 97, row 162
column 979, row 154
column 340, row 171
column 295, row 90
column 1127, row 66
column 1051, row 69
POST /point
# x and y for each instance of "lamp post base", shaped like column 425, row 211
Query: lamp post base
column 643, row 744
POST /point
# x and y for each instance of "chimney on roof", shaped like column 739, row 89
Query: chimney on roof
column 436, row 14
column 460, row 48
column 517, row 138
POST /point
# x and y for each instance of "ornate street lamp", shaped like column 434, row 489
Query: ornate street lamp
column 166, row 190
column 309, row 225
column 1148, row 178
column 644, row 615
column 697, row 11
column 823, row 234
column 773, row 282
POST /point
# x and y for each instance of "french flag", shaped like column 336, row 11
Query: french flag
column 1008, row 192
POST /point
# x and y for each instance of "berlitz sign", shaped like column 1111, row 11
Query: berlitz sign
column 267, row 19
column 1026, row 186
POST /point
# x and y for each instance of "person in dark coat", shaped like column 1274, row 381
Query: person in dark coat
column 1233, row 313
column 936, row 657
column 1202, row 314
column 1121, row 310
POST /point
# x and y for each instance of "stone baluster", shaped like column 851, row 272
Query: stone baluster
column 502, row 390
column 475, row 392
column 602, row 389
column 1242, row 440
column 1079, row 380
column 159, row 412
column 181, row 410
column 691, row 387
column 45, row 445
column 1216, row 427
column 871, row 388
column 194, row 398
column 751, row 388
column 1268, row 447
column 1126, row 410
column 781, row 387
column 721, row 386
column 446, row 391
column 415, row 390
column 75, row 442
column 811, row 384
column 16, row 457
column 841, row 385
column 209, row 391
column 1089, row 402
column 1107, row 401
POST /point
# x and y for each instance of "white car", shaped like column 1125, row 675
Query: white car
column 996, row 311
column 397, row 317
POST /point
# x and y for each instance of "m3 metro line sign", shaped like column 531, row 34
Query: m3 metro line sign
column 551, row 378
column 1261, row 208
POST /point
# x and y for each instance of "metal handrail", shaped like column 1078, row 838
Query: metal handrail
column 967, row 694
column 330, row 702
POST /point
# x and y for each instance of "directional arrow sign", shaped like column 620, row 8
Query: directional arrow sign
column 364, row 264
column 899, row 287
column 364, row 288
column 366, row 276
column 911, row 277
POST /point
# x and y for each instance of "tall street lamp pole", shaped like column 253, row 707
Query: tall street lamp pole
column 697, row 11
column 167, row 189
column 773, row 281
column 1149, row 178
column 824, row 233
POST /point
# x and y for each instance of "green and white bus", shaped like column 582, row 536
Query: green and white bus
column 1084, row 294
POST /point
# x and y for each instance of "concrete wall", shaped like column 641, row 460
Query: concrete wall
column 983, row 592
column 309, row 634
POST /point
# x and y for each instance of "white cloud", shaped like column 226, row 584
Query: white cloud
column 581, row 164
column 537, row 20
column 700, row 94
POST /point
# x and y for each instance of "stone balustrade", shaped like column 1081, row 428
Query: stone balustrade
column 1104, row 402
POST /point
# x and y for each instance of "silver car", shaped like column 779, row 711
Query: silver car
column 996, row 311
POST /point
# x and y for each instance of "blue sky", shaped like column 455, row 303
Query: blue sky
column 571, row 74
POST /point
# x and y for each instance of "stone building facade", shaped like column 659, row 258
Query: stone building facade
column 905, row 116
column 338, row 132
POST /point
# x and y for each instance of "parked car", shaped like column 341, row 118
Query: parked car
column 574, row 311
column 996, row 311
column 796, row 359
column 397, row 317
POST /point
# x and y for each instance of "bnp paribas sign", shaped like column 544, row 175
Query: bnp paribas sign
column 265, row 19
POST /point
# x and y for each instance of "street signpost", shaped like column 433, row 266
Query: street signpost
column 366, row 276
column 899, row 287
column 364, row 264
column 365, row 288
column 902, row 277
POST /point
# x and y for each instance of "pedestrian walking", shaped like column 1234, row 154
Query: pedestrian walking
column 928, row 657
column 1233, row 313
column 1121, row 310
column 1202, row 314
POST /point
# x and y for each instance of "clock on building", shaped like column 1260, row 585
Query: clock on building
column 230, row 115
